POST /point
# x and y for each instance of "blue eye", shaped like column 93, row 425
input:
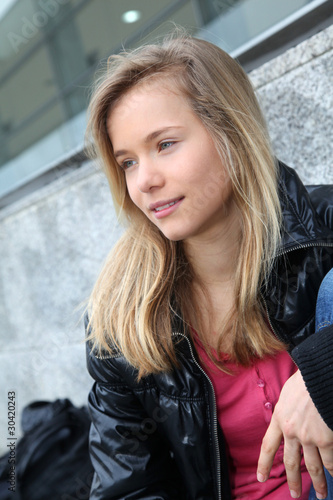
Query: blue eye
column 127, row 164
column 166, row 145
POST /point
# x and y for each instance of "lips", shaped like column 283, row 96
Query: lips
column 164, row 204
column 158, row 209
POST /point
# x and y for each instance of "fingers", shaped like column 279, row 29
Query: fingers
column 326, row 454
column 292, row 461
column 314, row 465
column 269, row 447
column 314, row 460
column 297, row 421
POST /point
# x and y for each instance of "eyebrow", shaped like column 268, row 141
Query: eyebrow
column 150, row 137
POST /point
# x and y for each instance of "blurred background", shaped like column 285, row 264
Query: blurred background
column 57, row 222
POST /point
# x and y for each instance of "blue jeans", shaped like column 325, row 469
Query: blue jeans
column 324, row 317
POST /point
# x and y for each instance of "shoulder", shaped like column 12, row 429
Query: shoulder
column 106, row 366
column 322, row 199
column 307, row 210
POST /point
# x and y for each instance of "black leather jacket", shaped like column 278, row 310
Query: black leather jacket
column 159, row 438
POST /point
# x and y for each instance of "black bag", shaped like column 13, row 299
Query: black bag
column 52, row 458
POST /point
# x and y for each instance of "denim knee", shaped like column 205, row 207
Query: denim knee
column 324, row 309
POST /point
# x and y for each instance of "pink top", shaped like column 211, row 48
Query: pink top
column 245, row 403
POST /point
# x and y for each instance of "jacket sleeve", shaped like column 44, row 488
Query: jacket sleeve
column 314, row 358
column 129, row 457
column 314, row 355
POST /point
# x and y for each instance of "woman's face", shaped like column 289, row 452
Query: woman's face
column 173, row 172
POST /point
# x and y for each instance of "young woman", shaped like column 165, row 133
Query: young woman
column 202, row 321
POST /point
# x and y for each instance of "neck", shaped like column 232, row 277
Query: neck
column 213, row 256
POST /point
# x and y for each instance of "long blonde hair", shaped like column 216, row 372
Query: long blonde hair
column 146, row 276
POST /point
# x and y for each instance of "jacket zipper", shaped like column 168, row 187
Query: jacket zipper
column 217, row 450
column 299, row 246
column 215, row 422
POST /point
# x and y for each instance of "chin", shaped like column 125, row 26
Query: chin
column 174, row 235
column 176, row 230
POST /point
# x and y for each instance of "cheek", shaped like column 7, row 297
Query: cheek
column 215, row 190
column 212, row 179
column 135, row 195
column 130, row 189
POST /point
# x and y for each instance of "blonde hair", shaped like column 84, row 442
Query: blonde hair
column 146, row 276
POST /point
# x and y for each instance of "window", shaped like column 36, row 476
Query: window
column 50, row 51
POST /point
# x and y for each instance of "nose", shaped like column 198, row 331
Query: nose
column 149, row 176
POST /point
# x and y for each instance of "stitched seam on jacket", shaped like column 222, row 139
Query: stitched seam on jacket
column 149, row 388
column 170, row 396
column 182, row 398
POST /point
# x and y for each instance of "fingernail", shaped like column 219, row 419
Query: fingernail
column 293, row 494
column 320, row 496
column 261, row 478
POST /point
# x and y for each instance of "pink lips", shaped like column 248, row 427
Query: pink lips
column 165, row 207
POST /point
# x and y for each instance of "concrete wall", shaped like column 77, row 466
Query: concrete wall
column 53, row 243
column 295, row 91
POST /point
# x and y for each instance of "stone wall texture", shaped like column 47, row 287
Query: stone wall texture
column 53, row 242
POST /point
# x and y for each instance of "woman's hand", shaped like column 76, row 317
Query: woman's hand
column 297, row 421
